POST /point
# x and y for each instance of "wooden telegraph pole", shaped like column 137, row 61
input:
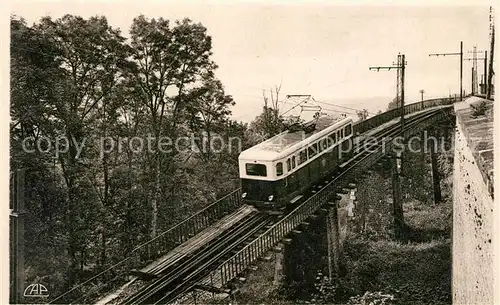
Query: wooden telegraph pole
column 17, row 214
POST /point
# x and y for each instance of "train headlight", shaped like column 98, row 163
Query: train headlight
column 243, row 195
column 270, row 198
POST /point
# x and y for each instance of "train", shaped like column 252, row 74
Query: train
column 276, row 173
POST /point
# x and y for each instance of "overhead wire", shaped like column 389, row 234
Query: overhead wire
column 327, row 109
column 340, row 106
column 303, row 101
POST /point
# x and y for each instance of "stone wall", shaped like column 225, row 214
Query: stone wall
column 472, row 271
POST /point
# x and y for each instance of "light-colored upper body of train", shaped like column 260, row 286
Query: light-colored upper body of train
column 288, row 151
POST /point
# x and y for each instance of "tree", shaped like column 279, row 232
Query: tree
column 271, row 119
column 169, row 59
column 63, row 76
column 269, row 122
column 362, row 114
column 78, row 79
column 34, row 77
column 92, row 57
column 208, row 112
column 396, row 103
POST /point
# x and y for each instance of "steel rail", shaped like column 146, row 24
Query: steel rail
column 207, row 254
column 246, row 256
column 179, row 233
column 237, row 263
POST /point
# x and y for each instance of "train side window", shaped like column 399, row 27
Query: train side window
column 342, row 133
column 348, row 130
column 320, row 146
column 324, row 144
column 254, row 169
column 313, row 150
column 288, row 165
column 338, row 135
column 333, row 138
column 293, row 161
column 279, row 168
column 302, row 156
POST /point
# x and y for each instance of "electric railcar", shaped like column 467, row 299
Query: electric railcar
column 275, row 173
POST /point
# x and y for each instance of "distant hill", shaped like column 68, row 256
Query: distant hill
column 372, row 104
column 246, row 112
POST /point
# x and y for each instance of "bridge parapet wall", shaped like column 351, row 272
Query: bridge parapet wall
column 472, row 275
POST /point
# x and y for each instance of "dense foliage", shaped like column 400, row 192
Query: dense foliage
column 88, row 97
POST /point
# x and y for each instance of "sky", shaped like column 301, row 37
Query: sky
column 319, row 49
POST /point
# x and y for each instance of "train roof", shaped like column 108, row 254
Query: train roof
column 287, row 142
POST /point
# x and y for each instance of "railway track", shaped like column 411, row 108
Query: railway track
column 389, row 133
column 382, row 136
column 238, row 263
column 363, row 148
column 182, row 276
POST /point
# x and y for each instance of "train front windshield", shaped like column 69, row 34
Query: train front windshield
column 256, row 169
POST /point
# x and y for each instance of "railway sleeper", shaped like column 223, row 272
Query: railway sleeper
column 274, row 213
column 246, row 243
column 145, row 276
column 303, row 225
column 211, row 288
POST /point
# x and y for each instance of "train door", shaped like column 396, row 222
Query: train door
column 335, row 156
column 324, row 164
column 292, row 176
column 303, row 172
column 313, row 165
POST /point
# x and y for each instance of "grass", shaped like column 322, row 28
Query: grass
column 259, row 287
column 415, row 273
column 428, row 222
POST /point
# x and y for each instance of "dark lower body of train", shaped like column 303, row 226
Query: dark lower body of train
column 289, row 191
